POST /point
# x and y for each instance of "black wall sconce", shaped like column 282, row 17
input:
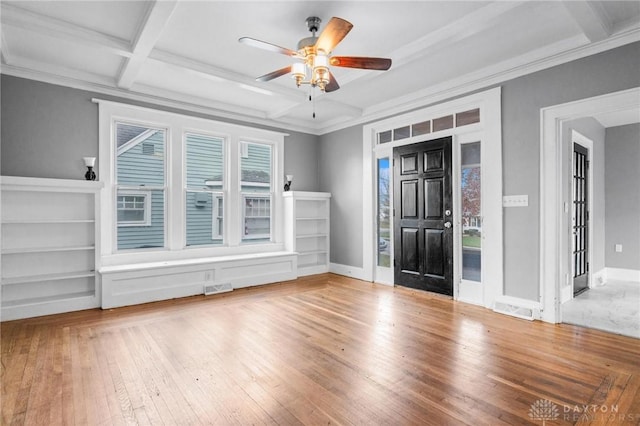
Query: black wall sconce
column 287, row 184
column 90, row 162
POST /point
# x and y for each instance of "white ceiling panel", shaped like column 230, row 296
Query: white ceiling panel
column 116, row 18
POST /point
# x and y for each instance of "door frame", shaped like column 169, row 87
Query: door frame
column 489, row 132
column 580, row 139
column 553, row 121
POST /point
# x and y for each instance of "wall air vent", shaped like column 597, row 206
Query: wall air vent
column 516, row 307
column 217, row 288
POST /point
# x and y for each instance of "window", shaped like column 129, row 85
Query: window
column 256, row 190
column 384, row 232
column 204, row 190
column 181, row 187
column 140, row 184
column 133, row 209
column 471, row 211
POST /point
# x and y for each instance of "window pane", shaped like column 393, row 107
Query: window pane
column 257, row 218
column 204, row 218
column 468, row 117
column 205, row 162
column 150, row 231
column 384, row 235
column 442, row 123
column 140, row 161
column 255, row 168
column 471, row 212
column 140, row 155
column 384, row 137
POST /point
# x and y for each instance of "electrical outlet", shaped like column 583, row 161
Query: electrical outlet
column 618, row 248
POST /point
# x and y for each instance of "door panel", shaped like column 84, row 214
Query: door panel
column 433, row 196
column 434, row 251
column 410, row 254
column 423, row 250
column 580, row 219
column 409, row 208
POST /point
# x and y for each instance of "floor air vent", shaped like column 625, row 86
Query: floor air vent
column 519, row 308
column 217, row 288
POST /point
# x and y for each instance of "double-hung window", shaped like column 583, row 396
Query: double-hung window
column 140, row 183
column 204, row 163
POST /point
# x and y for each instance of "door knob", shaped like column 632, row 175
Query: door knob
column 447, row 224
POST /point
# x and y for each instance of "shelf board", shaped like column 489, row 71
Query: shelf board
column 44, row 221
column 47, row 299
column 47, row 277
column 311, row 235
column 305, row 253
column 45, row 249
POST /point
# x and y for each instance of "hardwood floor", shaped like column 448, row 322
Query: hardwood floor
column 320, row 350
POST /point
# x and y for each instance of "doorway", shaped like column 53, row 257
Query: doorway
column 423, row 220
column 580, row 219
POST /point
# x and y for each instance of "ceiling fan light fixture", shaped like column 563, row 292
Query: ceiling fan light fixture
column 299, row 72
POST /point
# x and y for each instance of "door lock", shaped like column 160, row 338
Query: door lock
column 447, row 212
column 447, row 224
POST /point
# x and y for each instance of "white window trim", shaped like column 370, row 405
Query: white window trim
column 147, row 207
column 489, row 132
column 176, row 125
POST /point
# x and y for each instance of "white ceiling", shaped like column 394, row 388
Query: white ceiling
column 186, row 53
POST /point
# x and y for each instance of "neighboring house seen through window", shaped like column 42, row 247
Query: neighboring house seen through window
column 140, row 183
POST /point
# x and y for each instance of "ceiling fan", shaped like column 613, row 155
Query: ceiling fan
column 315, row 57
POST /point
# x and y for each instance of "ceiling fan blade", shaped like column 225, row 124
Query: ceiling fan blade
column 380, row 64
column 275, row 74
column 267, row 46
column 333, row 85
column 333, row 33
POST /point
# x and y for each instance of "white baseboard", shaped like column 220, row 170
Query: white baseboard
column 599, row 278
column 623, row 274
column 347, row 271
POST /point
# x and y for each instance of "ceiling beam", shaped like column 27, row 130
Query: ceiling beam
column 592, row 19
column 154, row 23
column 51, row 27
column 4, row 48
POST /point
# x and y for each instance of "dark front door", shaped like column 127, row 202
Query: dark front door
column 423, row 254
column 580, row 219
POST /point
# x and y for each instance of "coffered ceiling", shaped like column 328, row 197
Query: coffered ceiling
column 186, row 54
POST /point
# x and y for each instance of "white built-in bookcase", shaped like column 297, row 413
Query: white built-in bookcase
column 48, row 246
column 307, row 229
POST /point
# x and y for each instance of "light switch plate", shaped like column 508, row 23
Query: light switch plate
column 515, row 201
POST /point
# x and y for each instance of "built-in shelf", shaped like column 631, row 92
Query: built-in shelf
column 307, row 229
column 45, row 249
column 44, row 221
column 49, row 230
column 47, row 277
column 47, row 299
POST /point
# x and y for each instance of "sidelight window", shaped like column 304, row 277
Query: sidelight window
column 471, row 207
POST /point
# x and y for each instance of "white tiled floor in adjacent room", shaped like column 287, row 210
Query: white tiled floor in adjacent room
column 614, row 307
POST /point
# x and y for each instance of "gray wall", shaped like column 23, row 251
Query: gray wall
column 622, row 188
column 522, row 99
column 47, row 129
column 341, row 174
